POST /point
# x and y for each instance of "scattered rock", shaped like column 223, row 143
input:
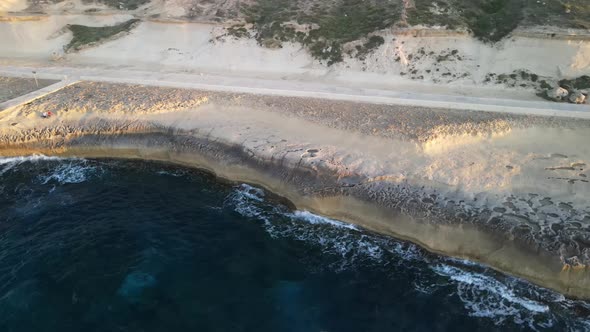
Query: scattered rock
column 577, row 97
column 557, row 94
column 581, row 311
column 427, row 200
column 271, row 43
column 499, row 209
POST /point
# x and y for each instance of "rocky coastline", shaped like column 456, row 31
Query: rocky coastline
column 484, row 186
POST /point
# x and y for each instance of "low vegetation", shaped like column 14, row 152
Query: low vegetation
column 492, row 20
column 85, row 35
column 366, row 48
column 582, row 82
column 119, row 4
column 238, row 31
column 561, row 13
column 322, row 27
column 520, row 78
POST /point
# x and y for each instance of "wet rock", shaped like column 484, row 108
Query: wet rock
column 510, row 205
column 427, row 200
column 495, row 220
column 271, row 43
column 577, row 97
column 557, row 94
column 581, row 310
column 546, row 201
column 556, row 227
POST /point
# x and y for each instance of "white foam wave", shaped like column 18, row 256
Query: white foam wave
column 485, row 296
column 22, row 159
column 347, row 246
column 10, row 162
column 250, row 192
column 69, row 173
column 370, row 246
column 316, row 220
column 244, row 200
column 342, row 240
column 172, row 173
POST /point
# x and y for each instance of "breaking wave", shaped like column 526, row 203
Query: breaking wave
column 485, row 296
column 61, row 170
column 343, row 241
column 345, row 248
column 9, row 163
column 483, row 292
column 71, row 172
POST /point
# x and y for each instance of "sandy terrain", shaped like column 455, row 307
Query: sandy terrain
column 455, row 64
column 473, row 60
column 13, row 5
column 516, row 184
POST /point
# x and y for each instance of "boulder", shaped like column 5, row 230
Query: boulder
column 557, row 94
column 271, row 43
column 577, row 97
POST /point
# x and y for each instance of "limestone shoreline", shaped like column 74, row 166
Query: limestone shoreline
column 365, row 164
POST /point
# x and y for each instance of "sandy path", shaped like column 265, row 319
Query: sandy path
column 302, row 89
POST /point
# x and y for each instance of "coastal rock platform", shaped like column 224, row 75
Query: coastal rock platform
column 508, row 190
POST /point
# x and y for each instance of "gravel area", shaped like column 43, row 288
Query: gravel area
column 12, row 87
column 419, row 124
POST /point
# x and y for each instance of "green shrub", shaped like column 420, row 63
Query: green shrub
column 84, row 35
column 582, row 82
column 337, row 24
column 121, row 4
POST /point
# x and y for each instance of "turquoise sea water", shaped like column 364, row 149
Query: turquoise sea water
column 90, row 245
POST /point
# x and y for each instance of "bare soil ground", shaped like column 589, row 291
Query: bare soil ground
column 333, row 30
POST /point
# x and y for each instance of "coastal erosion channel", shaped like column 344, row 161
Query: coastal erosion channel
column 507, row 190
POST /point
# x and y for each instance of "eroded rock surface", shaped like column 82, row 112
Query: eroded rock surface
column 520, row 180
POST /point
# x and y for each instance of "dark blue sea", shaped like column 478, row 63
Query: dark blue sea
column 89, row 245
